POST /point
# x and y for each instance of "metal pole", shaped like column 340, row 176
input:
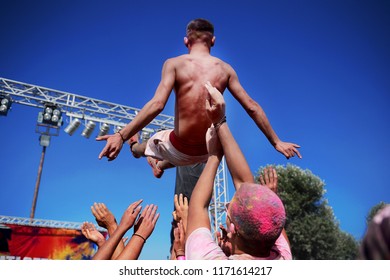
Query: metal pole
column 32, row 214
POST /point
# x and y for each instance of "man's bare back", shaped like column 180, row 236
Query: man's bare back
column 191, row 74
column 187, row 75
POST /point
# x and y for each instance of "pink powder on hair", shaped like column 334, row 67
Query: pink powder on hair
column 257, row 212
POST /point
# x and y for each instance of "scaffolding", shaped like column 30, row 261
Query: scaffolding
column 105, row 114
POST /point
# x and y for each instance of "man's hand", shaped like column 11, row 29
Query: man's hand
column 288, row 149
column 269, row 178
column 215, row 104
column 224, row 241
column 91, row 233
column 213, row 144
column 103, row 216
column 179, row 242
column 147, row 221
column 181, row 209
column 113, row 146
column 131, row 214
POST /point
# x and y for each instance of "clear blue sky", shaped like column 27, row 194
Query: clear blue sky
column 319, row 69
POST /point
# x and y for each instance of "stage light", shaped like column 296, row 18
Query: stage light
column 103, row 129
column 145, row 134
column 51, row 115
column 72, row 127
column 89, row 127
column 117, row 128
column 5, row 105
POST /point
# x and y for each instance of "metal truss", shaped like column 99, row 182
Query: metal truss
column 220, row 197
column 43, row 223
column 103, row 112
column 78, row 106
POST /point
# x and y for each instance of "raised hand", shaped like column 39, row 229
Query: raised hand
column 181, row 209
column 103, row 216
column 91, row 233
column 215, row 104
column 269, row 178
column 131, row 214
column 146, row 221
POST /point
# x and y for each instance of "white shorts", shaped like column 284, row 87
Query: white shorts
column 160, row 147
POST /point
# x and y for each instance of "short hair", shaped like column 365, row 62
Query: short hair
column 200, row 29
column 257, row 213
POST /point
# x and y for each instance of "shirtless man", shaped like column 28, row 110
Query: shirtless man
column 186, row 75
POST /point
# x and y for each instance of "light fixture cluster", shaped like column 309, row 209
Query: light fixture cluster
column 5, row 104
column 89, row 128
column 51, row 115
column 103, row 129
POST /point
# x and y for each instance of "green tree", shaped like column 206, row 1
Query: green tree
column 312, row 229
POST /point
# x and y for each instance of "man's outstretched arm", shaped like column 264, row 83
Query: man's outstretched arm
column 256, row 112
column 150, row 110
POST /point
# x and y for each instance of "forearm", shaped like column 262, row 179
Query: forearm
column 258, row 115
column 133, row 249
column 106, row 250
column 111, row 229
column 237, row 164
column 143, row 118
column 201, row 196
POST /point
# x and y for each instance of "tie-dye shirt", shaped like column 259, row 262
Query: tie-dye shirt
column 200, row 245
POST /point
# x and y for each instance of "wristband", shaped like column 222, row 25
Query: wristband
column 140, row 236
column 218, row 124
column 123, row 139
column 181, row 258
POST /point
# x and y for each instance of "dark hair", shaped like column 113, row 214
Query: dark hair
column 200, row 29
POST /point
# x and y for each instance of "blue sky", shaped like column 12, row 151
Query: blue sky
column 319, row 69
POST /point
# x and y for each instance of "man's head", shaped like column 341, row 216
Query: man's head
column 257, row 213
column 199, row 30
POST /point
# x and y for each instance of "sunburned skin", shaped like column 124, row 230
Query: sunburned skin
column 257, row 212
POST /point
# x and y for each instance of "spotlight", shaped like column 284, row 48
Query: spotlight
column 89, row 127
column 51, row 115
column 5, row 105
column 71, row 128
column 145, row 134
column 117, row 128
column 103, row 129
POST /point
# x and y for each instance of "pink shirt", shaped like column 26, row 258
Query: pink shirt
column 200, row 245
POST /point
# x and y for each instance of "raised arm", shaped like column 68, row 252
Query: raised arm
column 143, row 228
column 200, row 198
column 237, row 164
column 106, row 251
column 150, row 110
column 106, row 219
column 256, row 112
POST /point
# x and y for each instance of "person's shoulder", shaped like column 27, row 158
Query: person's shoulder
column 223, row 63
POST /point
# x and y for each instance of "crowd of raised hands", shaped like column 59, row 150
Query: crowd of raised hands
column 118, row 247
column 187, row 216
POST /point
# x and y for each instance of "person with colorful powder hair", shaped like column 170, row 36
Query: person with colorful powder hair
column 255, row 216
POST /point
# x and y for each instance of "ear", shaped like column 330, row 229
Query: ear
column 213, row 41
column 232, row 228
column 186, row 41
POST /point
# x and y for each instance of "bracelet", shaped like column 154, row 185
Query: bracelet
column 181, row 258
column 123, row 139
column 140, row 236
column 218, row 124
column 179, row 252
